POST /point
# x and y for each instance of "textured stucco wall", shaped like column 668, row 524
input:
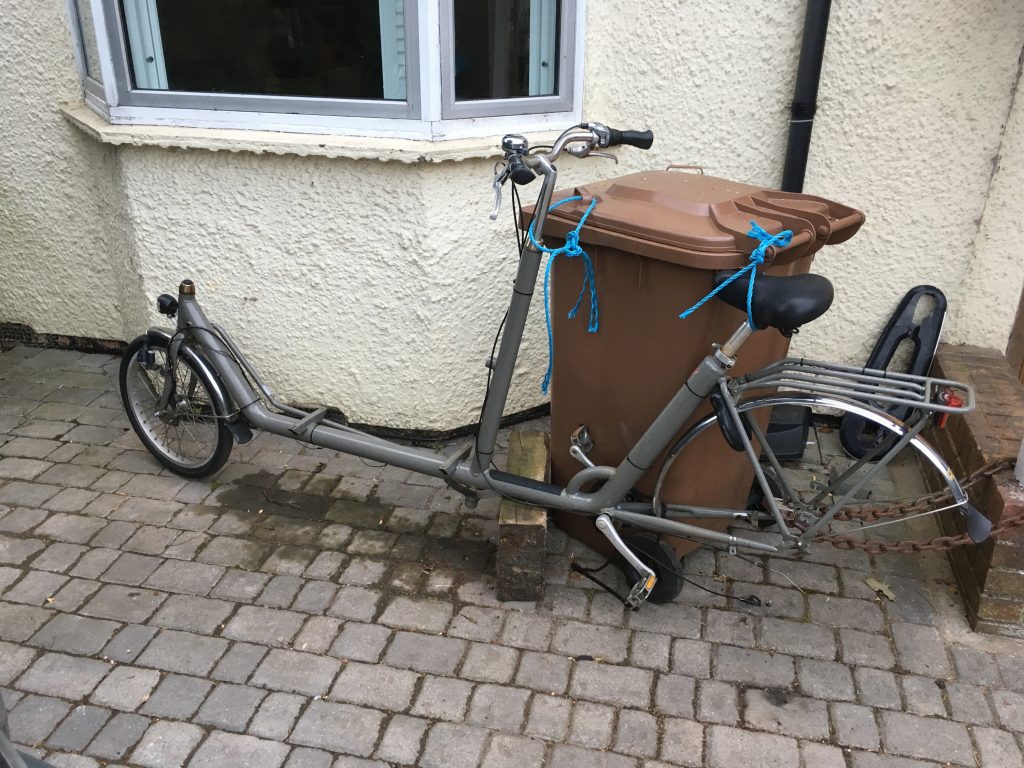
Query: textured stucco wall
column 66, row 252
column 914, row 97
column 992, row 288
column 377, row 287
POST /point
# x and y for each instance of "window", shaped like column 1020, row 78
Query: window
column 406, row 67
column 504, row 57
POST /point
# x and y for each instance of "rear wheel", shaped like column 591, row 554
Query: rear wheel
column 660, row 558
column 188, row 437
column 805, row 490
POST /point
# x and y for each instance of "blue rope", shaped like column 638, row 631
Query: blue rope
column 756, row 259
column 571, row 249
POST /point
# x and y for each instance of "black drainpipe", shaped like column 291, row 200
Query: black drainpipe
column 805, row 95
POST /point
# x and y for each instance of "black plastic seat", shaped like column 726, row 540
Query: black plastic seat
column 784, row 302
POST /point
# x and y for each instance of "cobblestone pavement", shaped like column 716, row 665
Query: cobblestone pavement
column 308, row 610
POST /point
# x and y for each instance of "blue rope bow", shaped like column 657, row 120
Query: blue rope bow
column 571, row 249
column 756, row 259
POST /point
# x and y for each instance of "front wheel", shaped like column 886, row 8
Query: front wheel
column 188, row 436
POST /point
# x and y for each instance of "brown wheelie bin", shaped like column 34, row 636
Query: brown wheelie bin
column 656, row 240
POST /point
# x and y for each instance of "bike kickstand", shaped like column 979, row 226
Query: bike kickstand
column 642, row 588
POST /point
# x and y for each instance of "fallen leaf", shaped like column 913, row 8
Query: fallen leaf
column 881, row 588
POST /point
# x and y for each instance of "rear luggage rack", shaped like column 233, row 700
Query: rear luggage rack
column 867, row 385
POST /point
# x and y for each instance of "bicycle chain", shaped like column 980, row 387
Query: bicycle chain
column 935, row 544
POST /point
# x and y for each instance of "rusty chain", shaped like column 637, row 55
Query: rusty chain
column 935, row 544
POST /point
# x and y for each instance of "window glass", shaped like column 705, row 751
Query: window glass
column 89, row 49
column 505, row 49
column 335, row 49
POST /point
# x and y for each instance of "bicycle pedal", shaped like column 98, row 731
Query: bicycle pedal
column 452, row 460
column 641, row 590
column 580, row 445
column 646, row 579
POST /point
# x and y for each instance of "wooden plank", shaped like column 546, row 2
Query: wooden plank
column 522, row 529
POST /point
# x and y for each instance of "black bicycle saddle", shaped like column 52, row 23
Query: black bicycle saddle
column 785, row 302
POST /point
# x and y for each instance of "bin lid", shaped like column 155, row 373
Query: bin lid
column 700, row 221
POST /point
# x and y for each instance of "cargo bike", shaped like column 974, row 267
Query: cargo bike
column 190, row 393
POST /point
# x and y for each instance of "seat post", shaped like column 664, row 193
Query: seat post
column 740, row 335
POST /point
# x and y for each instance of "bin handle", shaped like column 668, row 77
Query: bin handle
column 857, row 217
column 803, row 237
column 681, row 167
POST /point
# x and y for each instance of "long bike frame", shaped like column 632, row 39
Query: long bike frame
column 470, row 471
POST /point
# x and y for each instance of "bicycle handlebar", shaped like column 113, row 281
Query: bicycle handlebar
column 591, row 136
column 522, row 165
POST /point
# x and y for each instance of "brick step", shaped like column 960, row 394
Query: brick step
column 991, row 574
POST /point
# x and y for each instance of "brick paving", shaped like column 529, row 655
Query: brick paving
column 306, row 609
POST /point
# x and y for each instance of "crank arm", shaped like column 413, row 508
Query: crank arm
column 577, row 453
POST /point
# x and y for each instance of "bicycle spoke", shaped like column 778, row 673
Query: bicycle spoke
column 185, row 432
column 143, row 374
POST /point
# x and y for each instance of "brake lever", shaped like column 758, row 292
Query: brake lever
column 580, row 150
column 586, row 150
column 498, row 183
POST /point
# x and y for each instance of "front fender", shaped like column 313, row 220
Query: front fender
column 221, row 402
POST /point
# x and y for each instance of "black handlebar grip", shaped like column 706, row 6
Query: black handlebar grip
column 639, row 139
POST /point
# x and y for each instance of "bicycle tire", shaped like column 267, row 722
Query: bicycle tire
column 139, row 400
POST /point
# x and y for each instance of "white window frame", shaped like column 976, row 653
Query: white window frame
column 429, row 112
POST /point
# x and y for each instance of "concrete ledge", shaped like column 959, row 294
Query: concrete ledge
column 283, row 143
column 522, row 529
column 991, row 575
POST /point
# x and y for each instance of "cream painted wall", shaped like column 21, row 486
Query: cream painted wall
column 993, row 285
column 66, row 251
column 376, row 287
column 914, row 97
